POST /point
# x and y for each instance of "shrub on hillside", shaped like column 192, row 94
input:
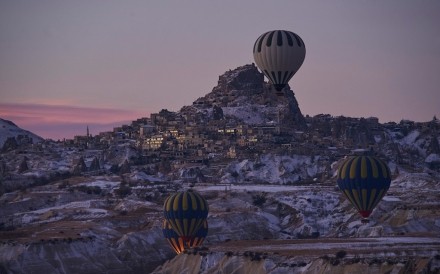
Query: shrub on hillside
column 259, row 199
column 123, row 191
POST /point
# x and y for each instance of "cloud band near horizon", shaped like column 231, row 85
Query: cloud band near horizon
column 65, row 121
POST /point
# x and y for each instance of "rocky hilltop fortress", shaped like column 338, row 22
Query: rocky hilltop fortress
column 243, row 91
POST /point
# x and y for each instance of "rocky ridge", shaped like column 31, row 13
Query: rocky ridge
column 243, row 95
column 12, row 136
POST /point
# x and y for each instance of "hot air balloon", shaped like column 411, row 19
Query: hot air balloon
column 279, row 54
column 185, row 212
column 177, row 242
column 364, row 180
column 173, row 239
column 200, row 235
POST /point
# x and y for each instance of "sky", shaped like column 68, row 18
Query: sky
column 66, row 65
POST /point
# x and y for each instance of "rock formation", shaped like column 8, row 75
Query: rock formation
column 79, row 166
column 23, row 166
column 243, row 90
column 95, row 165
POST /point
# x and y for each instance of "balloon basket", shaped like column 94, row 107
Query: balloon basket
column 365, row 221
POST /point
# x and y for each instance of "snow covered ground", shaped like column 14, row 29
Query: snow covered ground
column 384, row 245
column 274, row 169
column 258, row 188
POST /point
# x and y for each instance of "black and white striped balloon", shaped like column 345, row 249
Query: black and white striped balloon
column 279, row 54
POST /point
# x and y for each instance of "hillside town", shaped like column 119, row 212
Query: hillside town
column 204, row 133
column 175, row 137
column 242, row 118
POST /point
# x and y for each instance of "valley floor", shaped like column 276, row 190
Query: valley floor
column 367, row 247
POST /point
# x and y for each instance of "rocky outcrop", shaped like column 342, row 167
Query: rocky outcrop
column 95, row 165
column 243, row 90
column 23, row 166
column 79, row 166
column 125, row 167
column 10, row 144
column 3, row 168
column 275, row 169
column 217, row 113
column 192, row 175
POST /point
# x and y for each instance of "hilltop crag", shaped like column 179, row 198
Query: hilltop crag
column 242, row 95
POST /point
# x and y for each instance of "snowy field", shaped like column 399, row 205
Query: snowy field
column 382, row 246
column 256, row 188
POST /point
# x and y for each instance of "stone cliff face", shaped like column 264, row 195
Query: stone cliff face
column 242, row 91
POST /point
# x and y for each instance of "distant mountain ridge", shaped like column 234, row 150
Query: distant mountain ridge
column 8, row 129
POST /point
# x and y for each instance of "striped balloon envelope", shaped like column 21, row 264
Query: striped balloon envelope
column 364, row 180
column 177, row 242
column 279, row 54
column 173, row 239
column 185, row 212
column 200, row 236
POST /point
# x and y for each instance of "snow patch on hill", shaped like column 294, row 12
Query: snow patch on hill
column 252, row 115
column 274, row 169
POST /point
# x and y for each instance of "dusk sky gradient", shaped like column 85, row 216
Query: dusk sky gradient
column 68, row 64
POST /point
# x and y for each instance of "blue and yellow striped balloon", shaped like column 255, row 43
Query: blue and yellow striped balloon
column 177, row 242
column 364, row 180
column 173, row 239
column 185, row 212
column 200, row 235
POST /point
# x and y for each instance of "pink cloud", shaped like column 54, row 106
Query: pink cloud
column 65, row 121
